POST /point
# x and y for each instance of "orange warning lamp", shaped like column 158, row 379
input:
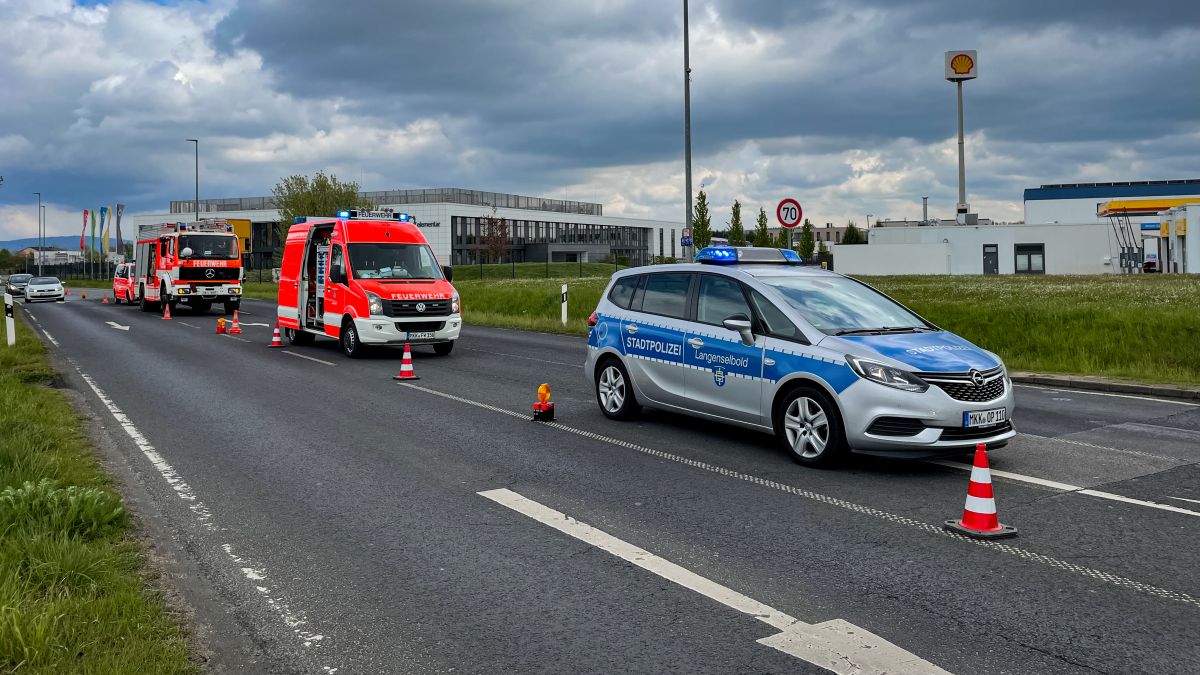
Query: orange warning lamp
column 543, row 410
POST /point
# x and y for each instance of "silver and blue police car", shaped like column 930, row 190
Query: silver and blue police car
column 826, row 363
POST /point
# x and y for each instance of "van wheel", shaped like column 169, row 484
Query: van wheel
column 443, row 348
column 351, row 345
column 614, row 391
column 809, row 427
column 143, row 303
column 298, row 337
column 231, row 307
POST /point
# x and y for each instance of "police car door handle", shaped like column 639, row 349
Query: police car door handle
column 696, row 342
column 769, row 361
column 632, row 328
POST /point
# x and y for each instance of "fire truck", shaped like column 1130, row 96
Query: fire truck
column 196, row 263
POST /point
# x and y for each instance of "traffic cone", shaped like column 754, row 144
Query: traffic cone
column 276, row 342
column 235, row 328
column 406, row 368
column 66, row 291
column 166, row 311
column 83, row 295
column 221, row 326
column 105, row 301
column 979, row 518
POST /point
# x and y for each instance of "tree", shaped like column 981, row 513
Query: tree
column 853, row 235
column 762, row 237
column 781, row 238
column 821, row 250
column 737, row 234
column 807, row 243
column 493, row 236
column 7, row 260
column 701, row 221
column 321, row 195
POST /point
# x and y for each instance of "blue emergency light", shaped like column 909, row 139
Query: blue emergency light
column 727, row 255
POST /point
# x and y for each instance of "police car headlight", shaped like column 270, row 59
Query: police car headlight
column 455, row 305
column 374, row 303
column 886, row 375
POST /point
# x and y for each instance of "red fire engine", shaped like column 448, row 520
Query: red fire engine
column 196, row 263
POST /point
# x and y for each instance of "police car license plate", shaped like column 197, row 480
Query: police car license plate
column 984, row 418
column 420, row 336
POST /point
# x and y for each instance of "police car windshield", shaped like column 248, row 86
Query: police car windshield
column 393, row 261
column 840, row 306
column 209, row 246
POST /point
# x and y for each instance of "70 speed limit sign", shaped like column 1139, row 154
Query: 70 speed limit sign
column 789, row 213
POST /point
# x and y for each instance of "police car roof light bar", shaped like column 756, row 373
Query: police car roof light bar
column 726, row 255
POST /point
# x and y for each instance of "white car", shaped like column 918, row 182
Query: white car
column 43, row 288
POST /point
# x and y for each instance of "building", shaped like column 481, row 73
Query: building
column 455, row 221
column 1080, row 202
column 49, row 255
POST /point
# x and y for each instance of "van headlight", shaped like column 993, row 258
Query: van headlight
column 455, row 305
column 886, row 375
column 374, row 303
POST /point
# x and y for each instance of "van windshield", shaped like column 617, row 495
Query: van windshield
column 393, row 261
column 210, row 246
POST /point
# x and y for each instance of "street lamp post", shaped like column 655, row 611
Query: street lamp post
column 687, row 120
column 42, row 253
column 869, row 220
column 196, row 205
column 40, row 245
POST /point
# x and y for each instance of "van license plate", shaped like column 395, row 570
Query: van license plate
column 420, row 336
column 984, row 418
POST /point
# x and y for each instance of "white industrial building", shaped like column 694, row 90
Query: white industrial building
column 452, row 219
column 1080, row 202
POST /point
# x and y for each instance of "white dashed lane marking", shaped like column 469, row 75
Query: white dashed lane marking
column 938, row 530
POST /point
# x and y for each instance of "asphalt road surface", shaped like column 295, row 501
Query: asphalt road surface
column 322, row 518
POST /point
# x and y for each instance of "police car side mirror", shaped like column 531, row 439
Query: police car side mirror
column 741, row 324
column 186, row 252
column 448, row 272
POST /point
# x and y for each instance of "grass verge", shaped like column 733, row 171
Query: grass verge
column 74, row 593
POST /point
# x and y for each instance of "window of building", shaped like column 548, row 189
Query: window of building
column 1030, row 258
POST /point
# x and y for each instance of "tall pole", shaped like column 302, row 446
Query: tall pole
column 962, row 157
column 687, row 120
column 196, row 205
column 40, row 245
column 42, row 209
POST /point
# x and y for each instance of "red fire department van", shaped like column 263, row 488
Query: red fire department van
column 122, row 276
column 196, row 263
column 366, row 278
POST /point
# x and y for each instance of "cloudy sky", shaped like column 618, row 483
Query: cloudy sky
column 840, row 104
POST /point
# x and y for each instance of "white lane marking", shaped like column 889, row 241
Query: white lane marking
column 184, row 492
column 1085, row 444
column 234, row 337
column 1185, row 499
column 1067, row 487
column 1105, row 393
column 836, row 645
column 518, row 356
column 184, row 323
column 301, row 356
column 293, row 620
column 935, row 529
column 116, row 325
column 50, row 337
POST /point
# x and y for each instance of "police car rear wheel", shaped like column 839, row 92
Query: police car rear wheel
column 809, row 427
column 613, row 392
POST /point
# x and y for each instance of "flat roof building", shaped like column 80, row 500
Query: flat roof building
column 1079, row 202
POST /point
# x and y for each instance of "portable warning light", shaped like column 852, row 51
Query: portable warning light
column 543, row 410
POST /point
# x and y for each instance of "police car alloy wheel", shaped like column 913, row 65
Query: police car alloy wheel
column 810, row 428
column 614, row 392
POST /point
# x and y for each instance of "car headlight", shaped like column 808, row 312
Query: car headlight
column 374, row 303
column 455, row 304
column 886, row 375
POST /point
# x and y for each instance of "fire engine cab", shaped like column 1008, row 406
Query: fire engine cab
column 366, row 278
column 195, row 263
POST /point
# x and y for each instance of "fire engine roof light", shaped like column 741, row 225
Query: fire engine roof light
column 343, row 214
column 301, row 219
column 181, row 227
column 726, row 255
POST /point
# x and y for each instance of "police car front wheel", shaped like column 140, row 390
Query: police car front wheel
column 810, row 428
column 614, row 392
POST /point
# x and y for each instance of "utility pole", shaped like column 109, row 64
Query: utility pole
column 42, row 209
column 687, row 119
column 40, row 244
column 196, row 206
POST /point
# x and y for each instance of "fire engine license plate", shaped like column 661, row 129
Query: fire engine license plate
column 984, row 418
column 420, row 336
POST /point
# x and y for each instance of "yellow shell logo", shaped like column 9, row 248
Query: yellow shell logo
column 962, row 64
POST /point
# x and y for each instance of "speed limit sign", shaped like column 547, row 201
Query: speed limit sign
column 789, row 213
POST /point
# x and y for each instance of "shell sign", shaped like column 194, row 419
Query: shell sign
column 961, row 65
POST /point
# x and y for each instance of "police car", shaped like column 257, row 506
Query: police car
column 826, row 363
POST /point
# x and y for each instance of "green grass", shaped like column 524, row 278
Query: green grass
column 74, row 593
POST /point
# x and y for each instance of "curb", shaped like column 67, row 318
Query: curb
column 1090, row 383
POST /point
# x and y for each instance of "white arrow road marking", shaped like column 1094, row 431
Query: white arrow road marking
column 835, row 645
column 116, row 325
column 1185, row 499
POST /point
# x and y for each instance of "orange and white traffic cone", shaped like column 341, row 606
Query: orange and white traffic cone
column 166, row 311
column 105, row 301
column 66, row 291
column 979, row 519
column 83, row 295
column 406, row 367
column 276, row 342
column 235, row 328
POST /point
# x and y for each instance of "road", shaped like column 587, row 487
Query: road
column 329, row 519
